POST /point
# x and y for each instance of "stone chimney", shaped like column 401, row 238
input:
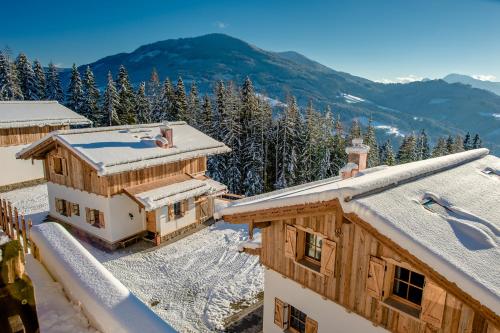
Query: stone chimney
column 166, row 138
column 357, row 156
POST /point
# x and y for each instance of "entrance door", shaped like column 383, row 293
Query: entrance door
column 151, row 221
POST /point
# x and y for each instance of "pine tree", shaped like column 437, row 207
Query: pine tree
column 74, row 96
column 324, row 167
column 111, row 103
column 449, row 144
column 467, row 144
column 308, row 137
column 458, row 144
column 154, row 94
column 252, row 152
column 126, row 108
column 193, row 108
column 9, row 85
column 371, row 141
column 142, row 106
column 441, row 148
column 54, row 91
column 339, row 156
column 423, row 149
column 287, row 145
column 26, row 77
column 167, row 102
column 90, row 108
column 477, row 142
column 387, row 154
column 180, row 104
column 205, row 121
column 407, row 151
column 355, row 131
column 40, row 81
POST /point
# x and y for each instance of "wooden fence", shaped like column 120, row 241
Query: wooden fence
column 14, row 224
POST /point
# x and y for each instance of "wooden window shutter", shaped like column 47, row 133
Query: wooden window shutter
column 51, row 164
column 311, row 325
column 58, row 205
column 64, row 164
column 290, row 241
column 375, row 279
column 184, row 207
column 170, row 212
column 433, row 303
column 101, row 220
column 68, row 208
column 280, row 315
column 87, row 214
column 328, row 254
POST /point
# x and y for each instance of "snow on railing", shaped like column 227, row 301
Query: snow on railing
column 106, row 302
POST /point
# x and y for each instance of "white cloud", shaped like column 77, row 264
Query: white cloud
column 221, row 25
column 402, row 79
column 59, row 65
column 484, row 77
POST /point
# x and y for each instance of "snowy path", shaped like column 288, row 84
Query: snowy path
column 190, row 283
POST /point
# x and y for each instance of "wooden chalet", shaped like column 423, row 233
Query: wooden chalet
column 22, row 123
column 410, row 248
column 117, row 183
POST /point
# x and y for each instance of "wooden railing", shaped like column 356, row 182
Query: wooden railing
column 14, row 224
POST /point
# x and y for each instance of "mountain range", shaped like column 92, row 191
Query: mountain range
column 440, row 107
column 492, row 86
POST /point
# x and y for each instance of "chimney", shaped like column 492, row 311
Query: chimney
column 357, row 156
column 166, row 138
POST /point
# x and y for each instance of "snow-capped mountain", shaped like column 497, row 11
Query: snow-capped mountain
column 492, row 86
column 439, row 107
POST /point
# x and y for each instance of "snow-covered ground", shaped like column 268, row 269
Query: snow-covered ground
column 193, row 284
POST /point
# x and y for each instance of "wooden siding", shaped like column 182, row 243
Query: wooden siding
column 80, row 175
column 356, row 245
column 25, row 135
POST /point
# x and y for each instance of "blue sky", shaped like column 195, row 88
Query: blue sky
column 377, row 39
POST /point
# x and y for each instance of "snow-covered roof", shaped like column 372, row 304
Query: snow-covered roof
column 463, row 243
column 117, row 149
column 16, row 114
column 171, row 190
column 106, row 302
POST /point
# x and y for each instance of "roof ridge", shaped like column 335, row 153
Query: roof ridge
column 114, row 128
column 29, row 102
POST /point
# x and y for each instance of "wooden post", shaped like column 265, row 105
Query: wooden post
column 16, row 222
column 250, row 230
column 2, row 215
column 11, row 218
column 25, row 240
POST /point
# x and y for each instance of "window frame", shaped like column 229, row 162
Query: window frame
column 314, row 260
column 401, row 299
column 64, row 210
column 177, row 207
column 58, row 160
column 293, row 329
column 74, row 211
column 94, row 218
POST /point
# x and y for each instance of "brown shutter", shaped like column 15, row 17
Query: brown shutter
column 87, row 214
column 184, row 207
column 101, row 220
column 51, row 164
column 280, row 315
column 68, row 208
column 328, row 254
column 375, row 279
column 64, row 165
column 311, row 325
column 170, row 212
column 433, row 302
column 290, row 241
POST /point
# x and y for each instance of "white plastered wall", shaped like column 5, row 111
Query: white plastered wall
column 166, row 226
column 116, row 211
column 14, row 171
column 331, row 317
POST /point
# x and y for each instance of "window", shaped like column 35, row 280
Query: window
column 75, row 209
column 62, row 207
column 313, row 247
column 297, row 320
column 58, row 165
column 408, row 285
column 177, row 210
column 95, row 218
column 433, row 206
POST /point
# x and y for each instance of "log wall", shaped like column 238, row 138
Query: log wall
column 355, row 245
column 79, row 175
column 25, row 135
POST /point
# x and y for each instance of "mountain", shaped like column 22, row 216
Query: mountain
column 492, row 86
column 439, row 107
